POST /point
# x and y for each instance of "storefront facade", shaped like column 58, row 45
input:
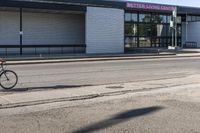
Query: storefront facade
column 97, row 27
column 149, row 30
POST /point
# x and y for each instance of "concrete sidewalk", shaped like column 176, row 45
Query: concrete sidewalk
column 59, row 58
column 18, row 99
column 81, row 58
column 21, row 61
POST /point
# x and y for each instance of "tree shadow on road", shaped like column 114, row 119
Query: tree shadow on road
column 119, row 118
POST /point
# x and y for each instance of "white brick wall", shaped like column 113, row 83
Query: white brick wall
column 104, row 30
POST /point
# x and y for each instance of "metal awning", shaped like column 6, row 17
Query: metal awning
column 81, row 5
column 41, row 4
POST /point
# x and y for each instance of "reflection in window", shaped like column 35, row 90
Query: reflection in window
column 131, row 17
column 134, row 17
column 179, row 30
column 145, row 42
column 159, row 42
column 155, row 42
column 144, row 29
column 189, row 18
column 198, row 18
column 169, row 41
column 163, row 42
column 169, row 31
column 130, row 29
column 156, row 18
column 179, row 19
column 145, row 18
column 161, row 30
column 163, row 18
column 150, row 29
column 193, row 18
column 179, row 41
column 128, row 17
column 131, row 42
column 169, row 19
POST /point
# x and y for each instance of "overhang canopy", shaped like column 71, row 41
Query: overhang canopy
column 81, row 5
column 38, row 4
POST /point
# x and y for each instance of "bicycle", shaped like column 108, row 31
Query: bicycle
column 8, row 78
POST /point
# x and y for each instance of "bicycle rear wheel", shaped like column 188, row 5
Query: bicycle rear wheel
column 8, row 79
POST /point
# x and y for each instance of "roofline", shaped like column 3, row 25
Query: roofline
column 122, row 4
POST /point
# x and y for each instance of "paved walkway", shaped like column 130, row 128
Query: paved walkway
column 82, row 58
column 101, row 58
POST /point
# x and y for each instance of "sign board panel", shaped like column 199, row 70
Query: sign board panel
column 149, row 6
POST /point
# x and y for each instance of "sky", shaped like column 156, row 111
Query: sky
column 193, row 3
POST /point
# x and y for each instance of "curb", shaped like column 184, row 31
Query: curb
column 57, row 57
column 170, row 56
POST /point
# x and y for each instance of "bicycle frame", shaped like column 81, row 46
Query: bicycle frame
column 2, row 68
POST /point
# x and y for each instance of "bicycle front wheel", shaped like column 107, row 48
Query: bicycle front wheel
column 8, row 79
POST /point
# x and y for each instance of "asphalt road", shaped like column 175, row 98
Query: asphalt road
column 167, row 110
column 171, row 110
column 63, row 75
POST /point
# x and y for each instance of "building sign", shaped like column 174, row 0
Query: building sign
column 148, row 6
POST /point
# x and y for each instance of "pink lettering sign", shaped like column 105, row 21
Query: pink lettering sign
column 150, row 6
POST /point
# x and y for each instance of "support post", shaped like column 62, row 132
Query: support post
column 186, row 28
column 21, row 31
column 175, row 26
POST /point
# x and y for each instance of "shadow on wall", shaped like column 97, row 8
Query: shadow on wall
column 119, row 118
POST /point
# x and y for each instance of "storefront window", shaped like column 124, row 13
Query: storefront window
column 127, row 17
column 156, row 18
column 134, row 17
column 161, row 30
column 145, row 42
column 169, row 41
column 150, row 29
column 130, row 29
column 179, row 20
column 189, row 18
column 169, row 19
column 179, row 30
column 144, row 29
column 179, row 41
column 163, row 18
column 163, row 42
column 169, row 31
column 145, row 18
column 193, row 18
column 155, row 42
column 198, row 18
column 131, row 42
